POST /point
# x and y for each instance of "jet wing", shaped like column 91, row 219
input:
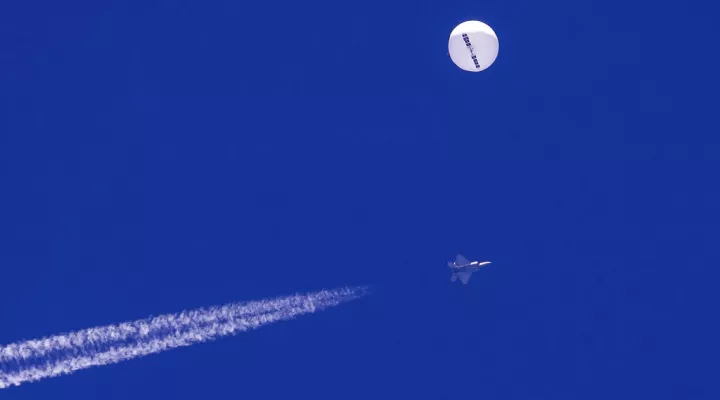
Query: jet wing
column 464, row 276
column 460, row 260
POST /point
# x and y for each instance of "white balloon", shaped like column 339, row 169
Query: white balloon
column 473, row 46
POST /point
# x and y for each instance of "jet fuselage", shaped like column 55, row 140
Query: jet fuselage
column 462, row 268
column 470, row 267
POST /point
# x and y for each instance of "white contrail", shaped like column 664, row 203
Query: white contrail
column 64, row 354
column 97, row 336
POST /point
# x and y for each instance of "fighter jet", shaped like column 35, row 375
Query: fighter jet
column 463, row 269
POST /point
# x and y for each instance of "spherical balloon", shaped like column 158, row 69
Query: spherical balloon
column 473, row 46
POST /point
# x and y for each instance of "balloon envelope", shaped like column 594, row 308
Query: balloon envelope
column 473, row 46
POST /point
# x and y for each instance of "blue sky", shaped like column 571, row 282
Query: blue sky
column 163, row 155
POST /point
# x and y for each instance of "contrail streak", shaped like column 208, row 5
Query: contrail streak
column 64, row 354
